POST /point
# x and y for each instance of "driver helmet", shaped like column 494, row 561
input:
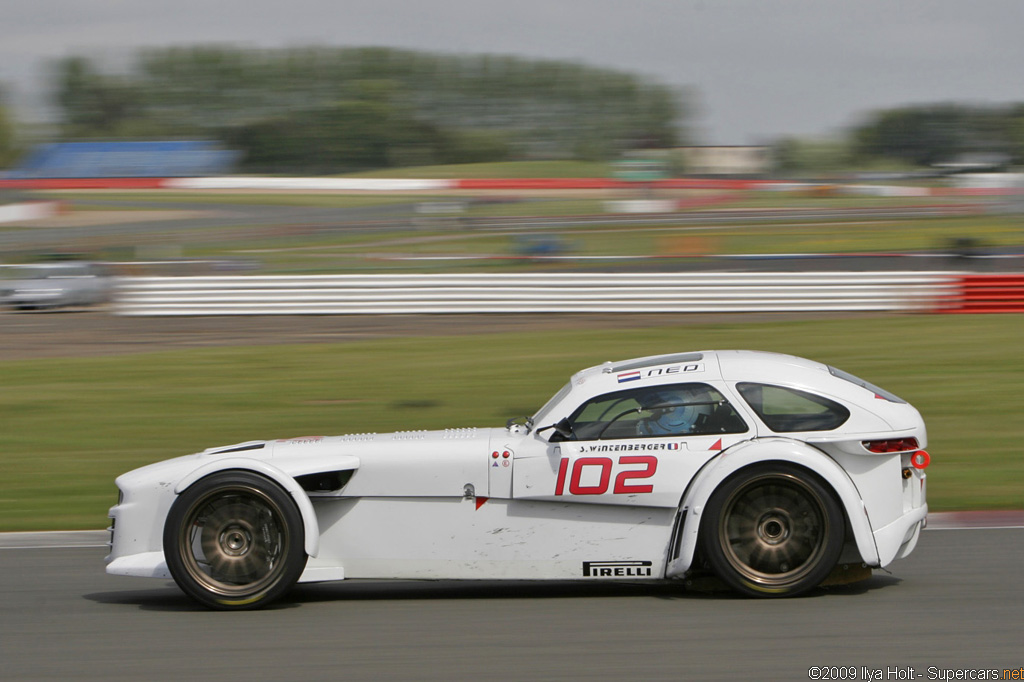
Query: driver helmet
column 675, row 419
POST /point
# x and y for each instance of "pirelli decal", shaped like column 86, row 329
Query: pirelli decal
column 617, row 569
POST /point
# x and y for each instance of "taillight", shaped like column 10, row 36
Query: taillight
column 891, row 445
column 920, row 460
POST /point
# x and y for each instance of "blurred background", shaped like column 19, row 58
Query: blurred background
column 236, row 220
column 673, row 136
column 550, row 178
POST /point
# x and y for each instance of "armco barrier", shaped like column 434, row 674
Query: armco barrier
column 533, row 293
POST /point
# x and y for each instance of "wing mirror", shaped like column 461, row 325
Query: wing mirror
column 563, row 430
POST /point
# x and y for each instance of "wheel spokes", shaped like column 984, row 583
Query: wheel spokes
column 236, row 541
column 773, row 529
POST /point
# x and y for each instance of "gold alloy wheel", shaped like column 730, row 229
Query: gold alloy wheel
column 774, row 530
column 233, row 541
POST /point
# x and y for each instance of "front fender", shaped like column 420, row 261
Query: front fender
column 309, row 522
column 759, row 451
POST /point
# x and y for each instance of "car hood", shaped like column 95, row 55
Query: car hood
column 405, row 463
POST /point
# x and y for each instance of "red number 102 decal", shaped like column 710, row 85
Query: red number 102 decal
column 605, row 464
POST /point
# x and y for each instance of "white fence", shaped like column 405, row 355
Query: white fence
column 533, row 293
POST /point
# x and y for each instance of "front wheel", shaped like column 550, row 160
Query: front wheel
column 234, row 541
column 772, row 531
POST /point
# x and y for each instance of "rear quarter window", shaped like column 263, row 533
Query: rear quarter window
column 786, row 410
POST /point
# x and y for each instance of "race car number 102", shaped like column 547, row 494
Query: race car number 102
column 600, row 468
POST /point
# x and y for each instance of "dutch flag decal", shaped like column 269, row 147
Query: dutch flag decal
column 629, row 376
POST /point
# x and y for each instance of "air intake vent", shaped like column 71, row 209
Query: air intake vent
column 325, row 481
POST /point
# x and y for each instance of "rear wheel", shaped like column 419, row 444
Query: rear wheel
column 234, row 541
column 772, row 531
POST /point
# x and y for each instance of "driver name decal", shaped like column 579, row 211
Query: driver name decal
column 629, row 447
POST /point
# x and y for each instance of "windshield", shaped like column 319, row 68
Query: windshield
column 540, row 419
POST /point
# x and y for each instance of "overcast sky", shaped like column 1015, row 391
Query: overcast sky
column 759, row 68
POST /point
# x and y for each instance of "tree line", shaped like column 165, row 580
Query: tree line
column 932, row 134
column 918, row 136
column 344, row 109
column 332, row 110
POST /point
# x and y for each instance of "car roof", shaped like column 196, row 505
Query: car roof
column 729, row 366
column 705, row 365
column 718, row 362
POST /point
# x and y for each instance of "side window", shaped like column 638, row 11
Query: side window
column 651, row 412
column 785, row 410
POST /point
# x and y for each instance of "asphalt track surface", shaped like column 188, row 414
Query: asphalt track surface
column 955, row 604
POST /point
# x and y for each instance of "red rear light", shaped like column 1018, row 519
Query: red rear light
column 891, row 445
column 920, row 460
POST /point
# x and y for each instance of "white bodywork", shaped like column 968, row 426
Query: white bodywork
column 493, row 503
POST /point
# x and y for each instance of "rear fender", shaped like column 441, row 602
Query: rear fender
column 309, row 522
column 761, row 451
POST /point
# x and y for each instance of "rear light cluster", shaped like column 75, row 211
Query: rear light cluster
column 919, row 459
column 892, row 445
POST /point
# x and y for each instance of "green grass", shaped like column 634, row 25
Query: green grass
column 341, row 251
column 70, row 425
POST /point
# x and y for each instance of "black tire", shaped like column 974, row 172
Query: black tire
column 234, row 541
column 772, row 531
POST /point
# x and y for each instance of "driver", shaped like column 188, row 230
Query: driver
column 674, row 413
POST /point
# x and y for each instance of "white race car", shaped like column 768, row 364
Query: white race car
column 774, row 473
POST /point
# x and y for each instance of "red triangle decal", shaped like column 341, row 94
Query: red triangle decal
column 717, row 445
column 480, row 501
